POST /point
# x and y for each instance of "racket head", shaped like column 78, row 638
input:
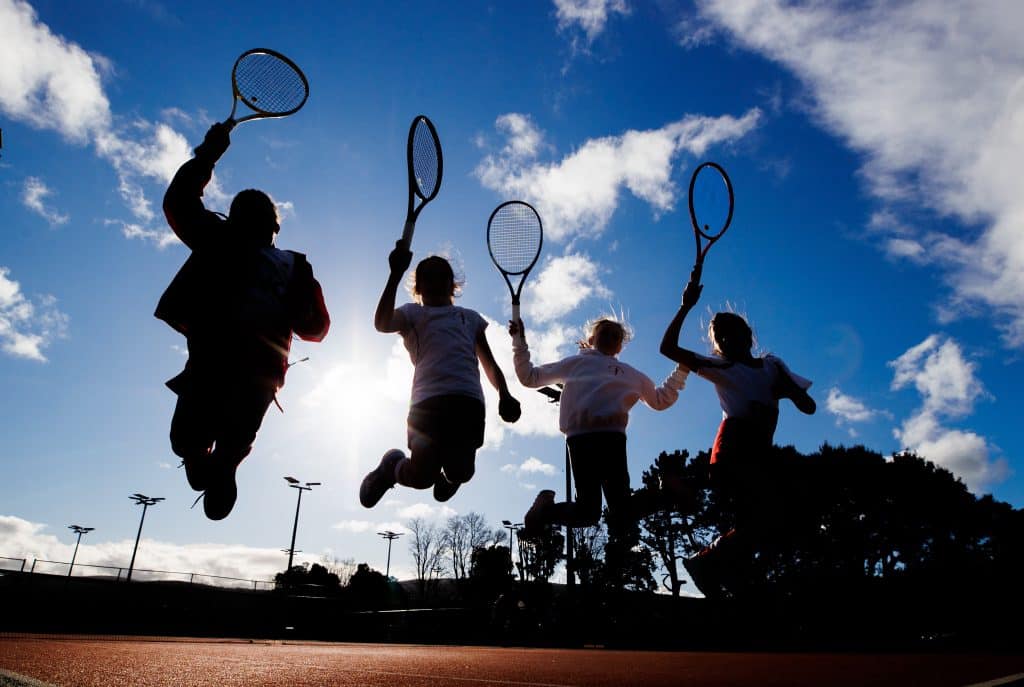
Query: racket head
column 711, row 201
column 269, row 84
column 425, row 160
column 515, row 235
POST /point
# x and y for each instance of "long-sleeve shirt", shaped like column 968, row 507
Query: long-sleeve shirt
column 599, row 389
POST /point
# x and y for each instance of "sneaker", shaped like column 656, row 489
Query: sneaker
column 698, row 568
column 197, row 471
column 221, row 492
column 536, row 518
column 443, row 489
column 380, row 479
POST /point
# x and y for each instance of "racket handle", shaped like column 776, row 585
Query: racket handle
column 696, row 272
column 407, row 232
column 230, row 123
column 515, row 312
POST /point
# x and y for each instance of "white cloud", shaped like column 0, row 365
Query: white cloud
column 946, row 381
column 27, row 327
column 531, row 465
column 33, row 193
column 53, row 84
column 46, row 81
column 427, row 511
column 591, row 16
column 578, row 195
column 362, row 526
column 848, row 409
column 933, row 97
column 563, row 284
column 29, row 540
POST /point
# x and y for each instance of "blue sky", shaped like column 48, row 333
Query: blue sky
column 876, row 244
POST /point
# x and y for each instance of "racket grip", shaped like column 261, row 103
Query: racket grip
column 407, row 232
column 515, row 312
column 230, row 123
column 696, row 272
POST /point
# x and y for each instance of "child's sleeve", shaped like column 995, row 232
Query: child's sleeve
column 532, row 376
column 715, row 370
column 662, row 397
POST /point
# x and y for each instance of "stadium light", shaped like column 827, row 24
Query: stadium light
column 79, row 530
column 145, row 502
column 390, row 536
column 512, row 527
column 297, row 484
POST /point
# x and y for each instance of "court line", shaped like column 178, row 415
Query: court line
column 1009, row 679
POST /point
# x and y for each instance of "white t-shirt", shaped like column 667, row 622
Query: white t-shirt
column 599, row 389
column 743, row 390
column 441, row 341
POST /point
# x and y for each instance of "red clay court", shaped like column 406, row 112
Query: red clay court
column 156, row 661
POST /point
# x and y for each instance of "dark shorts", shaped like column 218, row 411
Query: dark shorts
column 454, row 421
column 222, row 416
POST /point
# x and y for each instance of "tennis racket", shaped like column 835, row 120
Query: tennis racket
column 268, row 83
column 514, row 238
column 711, row 205
column 426, row 164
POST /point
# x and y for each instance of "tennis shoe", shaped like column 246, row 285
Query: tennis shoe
column 380, row 479
column 700, row 569
column 443, row 489
column 197, row 471
column 221, row 490
column 537, row 517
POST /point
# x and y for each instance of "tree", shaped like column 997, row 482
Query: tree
column 676, row 529
column 427, row 548
column 305, row 574
column 342, row 567
column 540, row 555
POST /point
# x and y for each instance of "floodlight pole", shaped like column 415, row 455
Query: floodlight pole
column 554, row 396
column 512, row 527
column 78, row 529
column 390, row 536
column 145, row 502
column 295, row 484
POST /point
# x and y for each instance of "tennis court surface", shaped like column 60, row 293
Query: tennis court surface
column 157, row 661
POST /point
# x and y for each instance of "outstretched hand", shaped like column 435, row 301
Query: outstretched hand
column 217, row 140
column 509, row 408
column 400, row 258
column 515, row 328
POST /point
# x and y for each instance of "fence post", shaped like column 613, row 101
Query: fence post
column 22, row 565
column 33, row 568
column 191, row 578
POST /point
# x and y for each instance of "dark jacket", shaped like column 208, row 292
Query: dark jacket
column 236, row 301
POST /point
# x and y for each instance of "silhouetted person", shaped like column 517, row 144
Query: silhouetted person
column 599, row 391
column 238, row 300
column 446, row 415
column 749, row 389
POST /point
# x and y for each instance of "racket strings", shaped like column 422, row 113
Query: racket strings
column 425, row 163
column 268, row 84
column 711, row 203
column 514, row 238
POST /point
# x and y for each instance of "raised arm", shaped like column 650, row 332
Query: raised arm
column 531, row 376
column 387, row 319
column 787, row 388
column 183, row 201
column 670, row 341
column 508, row 406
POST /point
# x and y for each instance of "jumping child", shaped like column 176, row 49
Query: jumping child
column 749, row 389
column 238, row 300
column 599, row 391
column 446, row 415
